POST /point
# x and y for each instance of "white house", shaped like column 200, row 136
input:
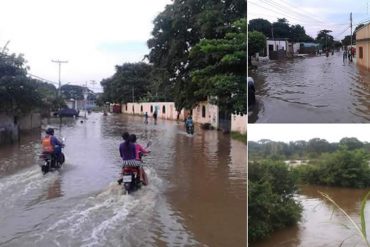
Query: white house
column 276, row 45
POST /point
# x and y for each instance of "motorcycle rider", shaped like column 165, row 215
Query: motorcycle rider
column 127, row 151
column 189, row 122
column 139, row 150
column 51, row 145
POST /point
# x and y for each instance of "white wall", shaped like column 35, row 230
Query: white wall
column 239, row 123
column 211, row 111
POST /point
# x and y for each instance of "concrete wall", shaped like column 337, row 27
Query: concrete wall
column 29, row 122
column 165, row 110
column 239, row 123
column 8, row 130
column 10, row 126
column 362, row 41
column 210, row 111
column 206, row 113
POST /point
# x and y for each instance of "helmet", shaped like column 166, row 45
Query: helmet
column 50, row 131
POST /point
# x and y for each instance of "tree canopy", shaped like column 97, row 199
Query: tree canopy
column 178, row 29
column 131, row 80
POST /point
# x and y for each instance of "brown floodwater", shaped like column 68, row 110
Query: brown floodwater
column 321, row 225
column 196, row 194
column 315, row 89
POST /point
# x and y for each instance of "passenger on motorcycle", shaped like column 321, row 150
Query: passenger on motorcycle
column 127, row 152
column 51, row 144
column 140, row 150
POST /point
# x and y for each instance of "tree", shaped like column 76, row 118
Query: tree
column 130, row 82
column 351, row 143
column 325, row 39
column 298, row 34
column 178, row 29
column 220, row 71
column 18, row 93
column 260, row 25
column 281, row 28
column 256, row 42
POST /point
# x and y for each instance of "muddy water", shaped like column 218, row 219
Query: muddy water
column 196, row 195
column 316, row 89
column 320, row 225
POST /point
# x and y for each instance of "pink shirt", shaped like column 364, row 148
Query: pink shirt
column 139, row 149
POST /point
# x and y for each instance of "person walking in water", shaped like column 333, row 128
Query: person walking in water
column 155, row 116
column 344, row 55
column 146, row 118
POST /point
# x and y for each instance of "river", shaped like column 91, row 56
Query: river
column 321, row 226
column 196, row 194
column 315, row 89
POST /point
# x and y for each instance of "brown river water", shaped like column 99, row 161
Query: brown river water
column 321, row 226
column 315, row 89
column 196, row 194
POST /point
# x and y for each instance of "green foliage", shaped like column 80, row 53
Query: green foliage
column 220, row 71
column 180, row 27
column 238, row 136
column 271, row 205
column 260, row 25
column 344, row 168
column 19, row 94
column 256, row 42
column 130, row 79
column 325, row 39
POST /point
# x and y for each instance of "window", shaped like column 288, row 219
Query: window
column 361, row 51
column 203, row 111
column 141, row 108
column 151, row 108
column 163, row 109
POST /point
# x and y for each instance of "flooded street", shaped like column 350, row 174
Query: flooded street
column 316, row 89
column 196, row 194
column 320, row 225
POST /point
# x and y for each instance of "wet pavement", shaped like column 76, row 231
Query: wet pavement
column 316, row 89
column 196, row 194
column 321, row 226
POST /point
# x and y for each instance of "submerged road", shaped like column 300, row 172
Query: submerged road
column 196, row 194
column 316, row 89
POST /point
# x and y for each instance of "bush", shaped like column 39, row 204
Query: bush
column 342, row 168
column 271, row 206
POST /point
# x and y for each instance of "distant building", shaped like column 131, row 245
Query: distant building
column 363, row 46
column 277, row 48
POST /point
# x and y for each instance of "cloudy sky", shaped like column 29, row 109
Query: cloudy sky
column 92, row 35
column 294, row 132
column 314, row 15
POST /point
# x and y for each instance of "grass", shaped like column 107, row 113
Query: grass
column 360, row 229
column 239, row 137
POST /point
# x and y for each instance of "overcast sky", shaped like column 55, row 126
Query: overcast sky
column 314, row 15
column 93, row 35
column 294, row 132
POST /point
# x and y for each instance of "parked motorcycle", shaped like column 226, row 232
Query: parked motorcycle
column 131, row 174
column 51, row 162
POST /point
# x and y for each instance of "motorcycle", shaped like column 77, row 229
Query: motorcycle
column 190, row 129
column 131, row 174
column 50, row 161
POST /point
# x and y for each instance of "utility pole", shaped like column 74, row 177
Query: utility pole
column 350, row 18
column 59, row 62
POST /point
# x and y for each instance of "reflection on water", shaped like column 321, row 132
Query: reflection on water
column 193, row 184
column 321, row 225
column 315, row 89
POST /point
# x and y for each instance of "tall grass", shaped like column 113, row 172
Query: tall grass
column 360, row 229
